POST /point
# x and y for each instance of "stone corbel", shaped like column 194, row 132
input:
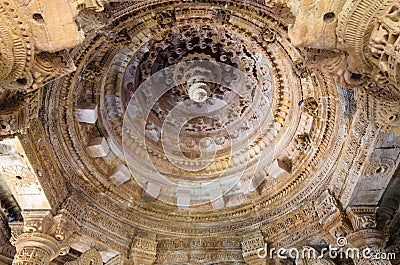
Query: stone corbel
column 362, row 217
column 333, row 220
column 64, row 225
column 38, row 221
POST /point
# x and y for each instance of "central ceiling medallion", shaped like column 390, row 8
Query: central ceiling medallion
column 198, row 111
column 198, row 91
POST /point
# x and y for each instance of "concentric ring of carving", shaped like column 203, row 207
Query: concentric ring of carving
column 114, row 62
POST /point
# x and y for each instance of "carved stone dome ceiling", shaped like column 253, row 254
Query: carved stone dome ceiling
column 204, row 105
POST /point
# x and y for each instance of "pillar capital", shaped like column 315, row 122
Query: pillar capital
column 362, row 217
column 365, row 236
column 371, row 240
column 42, row 236
column 35, row 249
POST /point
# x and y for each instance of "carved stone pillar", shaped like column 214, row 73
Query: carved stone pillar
column 251, row 243
column 43, row 236
column 366, row 238
column 35, row 249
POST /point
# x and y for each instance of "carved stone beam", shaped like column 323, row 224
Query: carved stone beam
column 252, row 242
column 144, row 249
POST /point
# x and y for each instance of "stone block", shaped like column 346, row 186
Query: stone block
column 87, row 112
column 153, row 189
column 217, row 199
column 120, row 175
column 183, row 198
column 279, row 169
column 247, row 186
column 97, row 147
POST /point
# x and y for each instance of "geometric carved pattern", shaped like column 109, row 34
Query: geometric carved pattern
column 31, row 255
